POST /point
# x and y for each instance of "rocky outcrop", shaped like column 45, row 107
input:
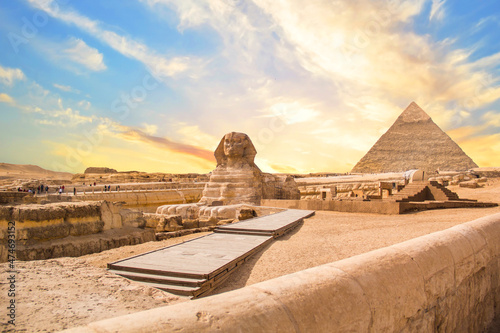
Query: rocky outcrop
column 99, row 170
column 414, row 141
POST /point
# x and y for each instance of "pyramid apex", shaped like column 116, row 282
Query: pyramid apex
column 413, row 113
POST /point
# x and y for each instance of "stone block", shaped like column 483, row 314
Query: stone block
column 86, row 228
column 190, row 224
column 246, row 213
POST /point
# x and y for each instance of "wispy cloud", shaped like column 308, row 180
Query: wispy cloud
column 346, row 68
column 66, row 88
column 323, row 79
column 437, row 10
column 10, row 75
column 110, row 127
column 78, row 51
column 159, row 65
column 4, row 98
column 63, row 117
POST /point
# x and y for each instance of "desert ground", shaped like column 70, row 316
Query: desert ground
column 60, row 293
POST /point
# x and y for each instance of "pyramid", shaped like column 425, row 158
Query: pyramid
column 414, row 141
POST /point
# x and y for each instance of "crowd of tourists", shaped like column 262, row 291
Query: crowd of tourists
column 44, row 189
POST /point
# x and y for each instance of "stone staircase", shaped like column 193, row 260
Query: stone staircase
column 448, row 194
column 423, row 191
column 411, row 192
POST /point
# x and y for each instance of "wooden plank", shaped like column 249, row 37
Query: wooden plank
column 204, row 259
column 208, row 260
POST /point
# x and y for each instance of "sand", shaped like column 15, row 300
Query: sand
column 61, row 293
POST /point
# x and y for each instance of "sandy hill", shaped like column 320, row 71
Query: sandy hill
column 25, row 171
column 414, row 141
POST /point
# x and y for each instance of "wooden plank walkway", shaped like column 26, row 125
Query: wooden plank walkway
column 197, row 266
column 273, row 225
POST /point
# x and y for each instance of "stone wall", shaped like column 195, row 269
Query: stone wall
column 343, row 190
column 8, row 197
column 144, row 199
column 447, row 281
column 373, row 206
column 348, row 206
column 68, row 229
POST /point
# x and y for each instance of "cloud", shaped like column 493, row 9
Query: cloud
column 492, row 118
column 78, row 51
column 283, row 168
column 84, row 104
column 193, row 135
column 10, row 75
column 66, row 88
column 437, row 10
column 345, row 70
column 150, row 129
column 160, row 66
column 338, row 72
column 110, row 127
column 64, row 117
column 294, row 112
column 4, row 98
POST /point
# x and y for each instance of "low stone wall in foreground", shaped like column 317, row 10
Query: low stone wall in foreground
column 446, row 281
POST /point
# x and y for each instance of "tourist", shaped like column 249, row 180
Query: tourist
column 46, row 189
column 60, row 190
column 74, row 190
column 109, row 188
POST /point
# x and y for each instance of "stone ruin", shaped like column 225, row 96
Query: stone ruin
column 99, row 170
column 235, row 184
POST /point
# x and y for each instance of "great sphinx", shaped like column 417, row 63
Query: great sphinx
column 235, row 182
column 236, row 179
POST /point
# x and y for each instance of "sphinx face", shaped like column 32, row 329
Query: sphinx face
column 235, row 144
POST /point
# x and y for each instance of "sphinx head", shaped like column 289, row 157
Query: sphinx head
column 235, row 147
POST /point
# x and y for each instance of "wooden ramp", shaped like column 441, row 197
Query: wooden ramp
column 199, row 265
column 270, row 225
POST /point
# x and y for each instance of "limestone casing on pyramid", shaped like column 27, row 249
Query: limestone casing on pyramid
column 414, row 141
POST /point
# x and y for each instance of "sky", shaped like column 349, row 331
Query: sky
column 153, row 85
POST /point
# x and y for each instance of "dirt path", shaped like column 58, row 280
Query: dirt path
column 60, row 293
